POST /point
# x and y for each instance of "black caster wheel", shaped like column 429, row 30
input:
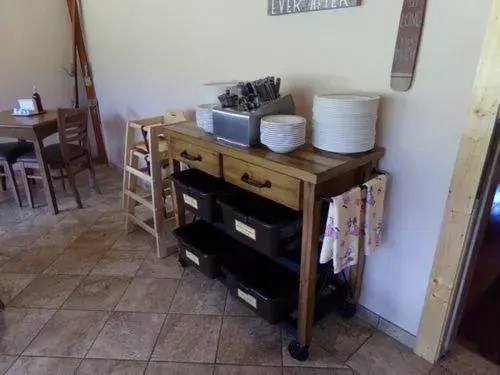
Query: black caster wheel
column 298, row 351
column 183, row 262
column 347, row 309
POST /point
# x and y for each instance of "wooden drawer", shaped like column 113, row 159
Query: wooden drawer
column 269, row 184
column 196, row 157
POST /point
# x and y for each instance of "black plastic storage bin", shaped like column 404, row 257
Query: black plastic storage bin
column 198, row 191
column 260, row 223
column 264, row 286
column 205, row 247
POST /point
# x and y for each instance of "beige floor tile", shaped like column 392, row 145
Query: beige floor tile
column 199, row 296
column 76, row 261
column 148, row 295
column 44, row 366
column 160, row 268
column 383, row 355
column 318, row 356
column 188, row 338
column 247, row 370
column 234, row 307
column 306, row 371
column 342, row 337
column 441, row 370
column 100, row 235
column 111, row 367
column 3, row 258
column 316, row 371
column 127, row 336
column 135, row 241
column 19, row 326
column 69, row 333
column 17, row 240
column 162, row 368
column 249, row 341
column 31, row 261
column 12, row 284
column 97, row 293
column 119, row 263
column 5, row 362
column 462, row 361
column 47, row 291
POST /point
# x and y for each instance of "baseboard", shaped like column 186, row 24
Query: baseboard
column 383, row 325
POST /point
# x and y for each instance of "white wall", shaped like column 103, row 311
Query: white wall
column 151, row 55
column 35, row 44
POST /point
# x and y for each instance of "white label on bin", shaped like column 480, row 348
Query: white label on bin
column 193, row 258
column 245, row 229
column 247, row 298
column 190, row 201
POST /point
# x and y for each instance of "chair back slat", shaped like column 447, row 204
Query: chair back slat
column 73, row 130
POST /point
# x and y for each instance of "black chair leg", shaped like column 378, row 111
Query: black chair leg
column 9, row 171
column 72, row 184
column 3, row 180
column 27, row 187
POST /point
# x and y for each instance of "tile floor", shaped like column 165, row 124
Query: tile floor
column 85, row 298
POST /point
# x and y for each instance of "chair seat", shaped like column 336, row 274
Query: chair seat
column 53, row 154
column 12, row 151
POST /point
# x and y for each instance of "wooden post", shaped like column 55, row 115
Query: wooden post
column 308, row 264
column 452, row 250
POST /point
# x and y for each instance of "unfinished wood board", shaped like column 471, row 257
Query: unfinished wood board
column 451, row 251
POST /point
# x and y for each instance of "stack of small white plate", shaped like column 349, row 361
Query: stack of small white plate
column 283, row 133
column 345, row 124
column 204, row 117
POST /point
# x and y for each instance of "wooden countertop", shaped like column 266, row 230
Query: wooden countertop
column 8, row 120
column 306, row 163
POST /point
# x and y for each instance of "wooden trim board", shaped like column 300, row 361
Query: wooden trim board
column 452, row 250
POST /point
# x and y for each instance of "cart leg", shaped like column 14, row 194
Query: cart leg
column 308, row 267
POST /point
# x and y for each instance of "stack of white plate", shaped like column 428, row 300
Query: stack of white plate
column 204, row 117
column 283, row 133
column 345, row 124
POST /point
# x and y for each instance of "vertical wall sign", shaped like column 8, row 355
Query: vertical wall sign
column 283, row 7
column 408, row 43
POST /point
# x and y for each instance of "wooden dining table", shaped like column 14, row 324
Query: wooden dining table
column 35, row 129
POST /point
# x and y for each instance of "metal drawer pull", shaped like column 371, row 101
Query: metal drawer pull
column 185, row 155
column 246, row 179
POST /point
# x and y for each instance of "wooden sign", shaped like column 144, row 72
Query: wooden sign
column 408, row 43
column 283, row 7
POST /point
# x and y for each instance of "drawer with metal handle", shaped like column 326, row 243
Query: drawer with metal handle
column 196, row 157
column 264, row 182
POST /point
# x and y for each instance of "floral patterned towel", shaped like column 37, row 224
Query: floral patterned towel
column 341, row 240
column 374, row 216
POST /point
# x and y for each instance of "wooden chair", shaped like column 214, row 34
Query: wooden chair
column 70, row 156
column 9, row 154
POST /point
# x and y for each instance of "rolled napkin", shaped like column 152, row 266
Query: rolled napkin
column 341, row 240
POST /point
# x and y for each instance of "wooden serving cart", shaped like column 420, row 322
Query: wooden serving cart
column 297, row 180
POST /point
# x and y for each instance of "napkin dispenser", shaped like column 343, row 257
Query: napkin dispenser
column 243, row 128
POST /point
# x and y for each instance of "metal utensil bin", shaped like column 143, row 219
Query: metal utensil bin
column 243, row 128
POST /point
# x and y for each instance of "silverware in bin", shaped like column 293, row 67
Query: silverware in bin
column 243, row 127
